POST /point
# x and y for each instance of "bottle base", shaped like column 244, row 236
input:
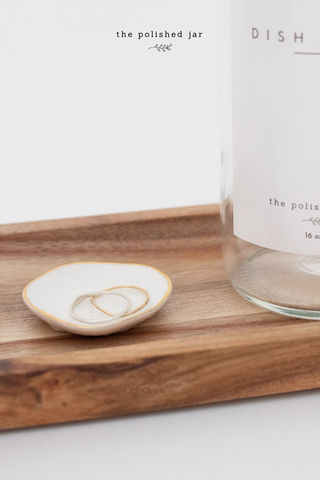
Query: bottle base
column 287, row 311
column 283, row 283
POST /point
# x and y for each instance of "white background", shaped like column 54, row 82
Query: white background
column 91, row 124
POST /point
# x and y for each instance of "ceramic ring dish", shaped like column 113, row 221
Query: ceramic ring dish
column 49, row 296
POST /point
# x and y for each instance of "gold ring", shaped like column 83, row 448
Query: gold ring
column 93, row 300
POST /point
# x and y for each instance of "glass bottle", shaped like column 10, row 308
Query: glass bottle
column 270, row 147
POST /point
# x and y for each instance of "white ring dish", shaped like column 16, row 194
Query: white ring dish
column 50, row 295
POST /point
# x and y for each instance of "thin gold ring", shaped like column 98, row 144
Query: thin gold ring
column 81, row 298
column 93, row 300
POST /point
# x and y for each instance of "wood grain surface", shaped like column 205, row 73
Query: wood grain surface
column 206, row 345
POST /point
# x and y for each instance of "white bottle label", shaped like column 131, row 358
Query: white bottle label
column 276, row 123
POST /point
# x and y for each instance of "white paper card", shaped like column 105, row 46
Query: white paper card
column 276, row 123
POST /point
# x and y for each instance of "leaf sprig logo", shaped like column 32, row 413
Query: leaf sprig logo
column 162, row 47
column 314, row 221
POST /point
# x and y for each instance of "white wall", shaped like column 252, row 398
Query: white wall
column 93, row 124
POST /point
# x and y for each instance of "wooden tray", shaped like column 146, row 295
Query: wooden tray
column 206, row 345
